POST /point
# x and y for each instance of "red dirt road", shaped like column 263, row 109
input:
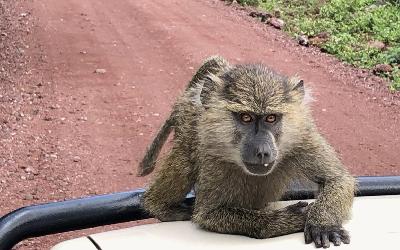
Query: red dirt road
column 98, row 125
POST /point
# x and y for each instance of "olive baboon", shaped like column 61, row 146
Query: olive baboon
column 242, row 134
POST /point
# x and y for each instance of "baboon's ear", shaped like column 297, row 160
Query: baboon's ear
column 298, row 86
column 211, row 84
column 296, row 90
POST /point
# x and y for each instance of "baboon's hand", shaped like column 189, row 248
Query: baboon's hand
column 298, row 208
column 322, row 235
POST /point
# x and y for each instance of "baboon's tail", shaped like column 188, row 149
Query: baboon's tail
column 148, row 163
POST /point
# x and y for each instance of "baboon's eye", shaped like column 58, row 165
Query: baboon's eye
column 246, row 118
column 270, row 118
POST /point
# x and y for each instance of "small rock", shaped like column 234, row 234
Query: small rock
column 377, row 45
column 324, row 50
column 28, row 197
column 156, row 114
column 265, row 17
column 254, row 14
column 277, row 13
column 23, row 14
column 100, row 71
column 262, row 15
column 31, row 170
column 319, row 39
column 55, row 106
column 316, row 41
column 303, row 40
column 83, row 52
column 49, row 178
column 276, row 22
column 382, row 68
column 371, row 7
column 76, row 159
column 323, row 35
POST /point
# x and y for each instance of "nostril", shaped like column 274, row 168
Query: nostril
column 263, row 155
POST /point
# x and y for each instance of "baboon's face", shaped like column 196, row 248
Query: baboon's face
column 257, row 136
column 259, row 101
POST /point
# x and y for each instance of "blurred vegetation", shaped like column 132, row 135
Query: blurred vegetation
column 249, row 2
column 353, row 28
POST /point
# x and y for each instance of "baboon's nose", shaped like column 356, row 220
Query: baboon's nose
column 263, row 154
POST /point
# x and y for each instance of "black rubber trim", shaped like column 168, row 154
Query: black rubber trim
column 64, row 216
column 94, row 243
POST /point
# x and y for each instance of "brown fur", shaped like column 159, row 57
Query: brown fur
column 212, row 65
column 206, row 156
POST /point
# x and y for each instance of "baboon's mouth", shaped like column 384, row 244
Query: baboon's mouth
column 259, row 169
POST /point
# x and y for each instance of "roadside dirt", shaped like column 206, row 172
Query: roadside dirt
column 83, row 133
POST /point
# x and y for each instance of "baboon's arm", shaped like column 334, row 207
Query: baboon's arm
column 335, row 198
column 254, row 223
column 174, row 180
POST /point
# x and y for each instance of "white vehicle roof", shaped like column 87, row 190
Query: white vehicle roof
column 375, row 224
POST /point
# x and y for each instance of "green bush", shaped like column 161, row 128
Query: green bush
column 352, row 25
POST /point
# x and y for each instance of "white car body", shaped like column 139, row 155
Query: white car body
column 375, row 224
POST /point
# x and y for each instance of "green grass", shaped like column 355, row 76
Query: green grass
column 352, row 24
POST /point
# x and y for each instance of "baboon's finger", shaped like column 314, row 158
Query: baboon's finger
column 335, row 238
column 325, row 239
column 316, row 237
column 307, row 235
column 344, row 236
